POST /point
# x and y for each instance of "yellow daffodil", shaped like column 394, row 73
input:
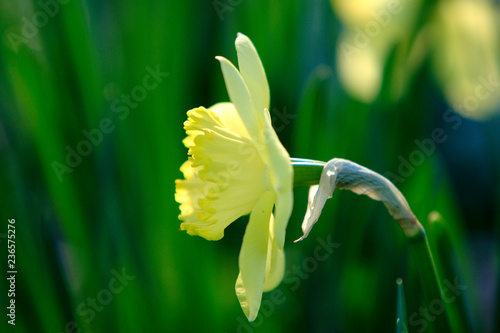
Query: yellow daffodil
column 237, row 166
column 460, row 36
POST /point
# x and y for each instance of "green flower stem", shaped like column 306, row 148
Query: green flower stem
column 306, row 172
column 461, row 315
column 422, row 254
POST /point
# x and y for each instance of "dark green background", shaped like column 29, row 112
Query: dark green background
column 115, row 211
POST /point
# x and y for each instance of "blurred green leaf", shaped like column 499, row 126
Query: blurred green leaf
column 401, row 317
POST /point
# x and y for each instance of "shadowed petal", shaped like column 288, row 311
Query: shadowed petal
column 275, row 264
column 281, row 178
column 314, row 208
column 318, row 195
column 253, row 257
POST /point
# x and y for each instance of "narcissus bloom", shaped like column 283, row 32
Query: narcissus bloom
column 238, row 166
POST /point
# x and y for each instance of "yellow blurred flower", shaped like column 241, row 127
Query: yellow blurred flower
column 371, row 30
column 237, row 166
column 461, row 37
column 466, row 56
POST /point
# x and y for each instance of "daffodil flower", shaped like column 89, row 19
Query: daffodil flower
column 238, row 166
column 452, row 34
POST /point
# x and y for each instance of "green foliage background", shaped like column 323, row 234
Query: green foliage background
column 115, row 210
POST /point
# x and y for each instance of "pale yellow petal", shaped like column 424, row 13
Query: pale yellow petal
column 275, row 264
column 230, row 118
column 283, row 211
column 187, row 194
column 466, row 56
column 185, row 190
column 253, row 73
column 187, row 170
column 253, row 257
column 240, row 97
column 213, row 229
column 360, row 70
column 281, row 179
column 189, row 140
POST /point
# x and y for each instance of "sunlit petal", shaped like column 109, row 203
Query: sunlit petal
column 253, row 73
column 275, row 264
column 230, row 118
column 240, row 97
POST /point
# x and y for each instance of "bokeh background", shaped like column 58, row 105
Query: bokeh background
column 93, row 95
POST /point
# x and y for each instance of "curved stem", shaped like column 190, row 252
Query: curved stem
column 345, row 174
column 421, row 252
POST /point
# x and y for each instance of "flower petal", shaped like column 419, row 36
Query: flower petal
column 253, row 73
column 230, row 118
column 275, row 263
column 241, row 98
column 184, row 192
column 187, row 170
column 281, row 179
column 253, row 256
column 283, row 211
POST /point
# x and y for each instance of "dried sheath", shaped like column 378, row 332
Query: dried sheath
column 344, row 174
